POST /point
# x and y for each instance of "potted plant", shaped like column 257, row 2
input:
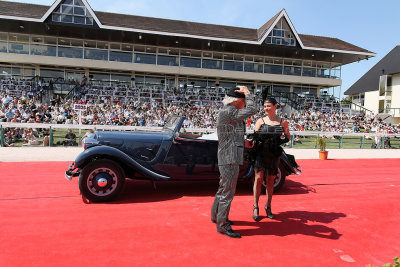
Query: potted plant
column 321, row 142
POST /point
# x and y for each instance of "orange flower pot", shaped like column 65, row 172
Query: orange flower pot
column 323, row 155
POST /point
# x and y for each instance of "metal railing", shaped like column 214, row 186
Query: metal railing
column 300, row 139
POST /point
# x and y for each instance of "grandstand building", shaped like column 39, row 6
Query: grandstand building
column 70, row 40
column 378, row 90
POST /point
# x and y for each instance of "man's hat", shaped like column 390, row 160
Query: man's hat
column 231, row 92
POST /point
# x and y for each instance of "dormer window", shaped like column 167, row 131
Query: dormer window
column 281, row 35
column 72, row 11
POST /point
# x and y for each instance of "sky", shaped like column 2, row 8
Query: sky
column 371, row 24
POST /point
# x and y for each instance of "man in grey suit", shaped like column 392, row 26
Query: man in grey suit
column 230, row 130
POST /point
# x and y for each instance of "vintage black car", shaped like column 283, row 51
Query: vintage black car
column 110, row 157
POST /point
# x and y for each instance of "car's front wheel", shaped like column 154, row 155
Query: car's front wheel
column 101, row 180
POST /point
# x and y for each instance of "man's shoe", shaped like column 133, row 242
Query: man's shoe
column 230, row 233
column 228, row 221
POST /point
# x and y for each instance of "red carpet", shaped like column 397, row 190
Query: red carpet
column 338, row 213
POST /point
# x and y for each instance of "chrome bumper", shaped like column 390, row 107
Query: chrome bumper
column 71, row 172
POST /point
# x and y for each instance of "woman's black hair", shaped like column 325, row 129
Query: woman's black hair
column 271, row 100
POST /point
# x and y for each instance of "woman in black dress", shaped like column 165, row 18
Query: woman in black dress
column 270, row 132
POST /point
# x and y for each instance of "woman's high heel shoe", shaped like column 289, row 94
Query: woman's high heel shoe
column 256, row 217
column 269, row 212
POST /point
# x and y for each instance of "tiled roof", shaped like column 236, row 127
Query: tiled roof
column 389, row 64
column 181, row 27
column 22, row 10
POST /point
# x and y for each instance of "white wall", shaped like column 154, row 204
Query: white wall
column 396, row 91
column 371, row 101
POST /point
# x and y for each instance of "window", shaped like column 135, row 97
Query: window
column 96, row 54
column 74, row 12
column 253, row 67
column 233, row 65
column 167, row 60
column 212, row 64
column 145, row 58
column 190, row 62
column 120, row 56
column 273, row 69
column 281, row 34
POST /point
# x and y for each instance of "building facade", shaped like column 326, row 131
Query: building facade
column 70, row 40
column 378, row 90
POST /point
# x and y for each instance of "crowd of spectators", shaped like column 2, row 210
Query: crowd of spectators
column 20, row 102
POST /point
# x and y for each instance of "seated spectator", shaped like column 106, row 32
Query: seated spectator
column 70, row 139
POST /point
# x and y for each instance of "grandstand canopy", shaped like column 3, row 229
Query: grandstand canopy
column 277, row 37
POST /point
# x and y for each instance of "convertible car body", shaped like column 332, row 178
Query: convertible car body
column 111, row 157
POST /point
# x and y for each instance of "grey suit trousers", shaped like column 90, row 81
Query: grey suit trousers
column 223, row 198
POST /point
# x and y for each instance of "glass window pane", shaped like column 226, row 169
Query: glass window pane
column 4, row 71
column 37, row 39
column 145, row 58
column 233, row 65
column 96, row 54
column 18, row 48
column 174, row 52
column 79, row 20
column 121, row 78
column 190, row 62
column 120, row 56
column 102, row 45
column 218, row 55
column 228, row 57
column 47, row 73
column 3, row 36
column 207, row 54
column 67, row 9
column 195, row 53
column 78, row 3
column 115, row 46
column 139, row 48
column 66, row 18
column 151, row 50
column 91, row 44
column 69, row 2
column 162, row 50
column 253, row 67
column 292, row 70
column 56, row 18
column 43, row 50
column 167, row 60
column 3, row 47
column 89, row 21
column 78, row 43
column 79, row 10
column 281, row 89
column 273, row 69
column 127, row 47
column 50, row 40
column 309, row 72
column 70, row 52
column 212, row 64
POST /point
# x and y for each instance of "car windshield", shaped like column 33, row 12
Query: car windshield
column 171, row 124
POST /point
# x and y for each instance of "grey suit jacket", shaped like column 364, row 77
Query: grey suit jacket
column 231, row 130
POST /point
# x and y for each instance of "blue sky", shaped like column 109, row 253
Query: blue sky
column 370, row 24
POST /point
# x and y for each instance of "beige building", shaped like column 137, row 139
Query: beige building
column 379, row 89
column 70, row 40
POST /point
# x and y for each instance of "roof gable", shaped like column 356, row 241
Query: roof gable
column 56, row 5
column 264, row 31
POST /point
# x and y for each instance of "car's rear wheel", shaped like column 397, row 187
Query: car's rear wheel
column 278, row 183
column 279, row 180
column 101, row 180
